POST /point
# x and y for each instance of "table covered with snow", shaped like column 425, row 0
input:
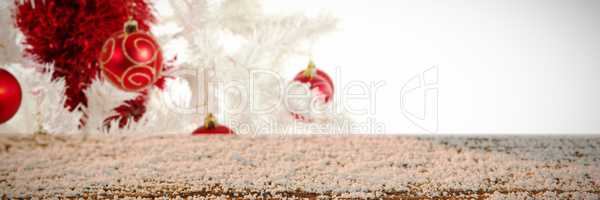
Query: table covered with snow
column 359, row 166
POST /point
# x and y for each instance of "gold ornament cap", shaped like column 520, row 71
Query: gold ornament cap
column 310, row 70
column 131, row 26
column 210, row 121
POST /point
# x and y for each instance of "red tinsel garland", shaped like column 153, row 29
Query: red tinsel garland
column 70, row 34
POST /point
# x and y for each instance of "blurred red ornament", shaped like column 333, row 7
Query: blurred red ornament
column 318, row 79
column 10, row 96
column 131, row 59
column 211, row 127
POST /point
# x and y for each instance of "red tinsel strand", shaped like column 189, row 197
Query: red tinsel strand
column 131, row 109
column 70, row 34
column 161, row 83
column 168, row 67
column 134, row 109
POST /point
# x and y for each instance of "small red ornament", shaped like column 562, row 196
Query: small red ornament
column 211, row 127
column 316, row 78
column 10, row 96
column 132, row 59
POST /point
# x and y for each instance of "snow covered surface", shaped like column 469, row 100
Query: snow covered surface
column 316, row 166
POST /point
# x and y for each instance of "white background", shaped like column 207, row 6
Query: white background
column 504, row 66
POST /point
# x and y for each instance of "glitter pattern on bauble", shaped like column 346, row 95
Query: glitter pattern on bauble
column 132, row 59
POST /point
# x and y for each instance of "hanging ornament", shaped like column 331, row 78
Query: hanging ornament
column 318, row 81
column 211, row 127
column 131, row 59
column 10, row 96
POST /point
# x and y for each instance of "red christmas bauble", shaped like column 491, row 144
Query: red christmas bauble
column 131, row 60
column 211, row 127
column 217, row 130
column 10, row 96
column 317, row 79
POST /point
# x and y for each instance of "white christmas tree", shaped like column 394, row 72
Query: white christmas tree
column 242, row 85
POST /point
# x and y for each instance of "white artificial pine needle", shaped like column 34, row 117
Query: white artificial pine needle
column 232, row 37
